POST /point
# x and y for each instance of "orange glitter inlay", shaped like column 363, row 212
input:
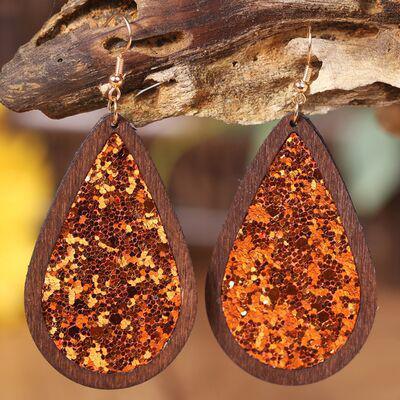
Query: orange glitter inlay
column 291, row 292
column 111, row 296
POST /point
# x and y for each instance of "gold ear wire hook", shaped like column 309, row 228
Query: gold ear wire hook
column 128, row 27
column 116, row 80
column 306, row 76
column 309, row 44
column 303, row 85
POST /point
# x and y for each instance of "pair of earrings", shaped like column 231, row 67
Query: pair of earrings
column 110, row 293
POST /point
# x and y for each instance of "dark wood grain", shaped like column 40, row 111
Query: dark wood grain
column 205, row 52
column 51, row 231
column 245, row 194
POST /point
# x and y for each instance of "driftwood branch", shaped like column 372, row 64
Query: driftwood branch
column 234, row 60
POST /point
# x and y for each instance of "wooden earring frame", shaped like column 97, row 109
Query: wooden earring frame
column 50, row 232
column 236, row 215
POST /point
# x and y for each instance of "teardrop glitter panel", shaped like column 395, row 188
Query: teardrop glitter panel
column 291, row 292
column 111, row 296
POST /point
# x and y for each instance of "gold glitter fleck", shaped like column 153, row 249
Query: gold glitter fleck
column 291, row 292
column 111, row 295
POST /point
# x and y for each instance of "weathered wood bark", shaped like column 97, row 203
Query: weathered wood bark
column 233, row 60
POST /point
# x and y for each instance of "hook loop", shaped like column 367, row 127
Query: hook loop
column 116, row 80
column 128, row 27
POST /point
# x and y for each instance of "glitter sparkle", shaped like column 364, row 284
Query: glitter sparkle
column 111, row 296
column 291, row 292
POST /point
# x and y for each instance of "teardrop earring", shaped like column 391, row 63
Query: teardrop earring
column 291, row 288
column 110, row 295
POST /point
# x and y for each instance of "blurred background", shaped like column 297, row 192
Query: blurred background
column 201, row 162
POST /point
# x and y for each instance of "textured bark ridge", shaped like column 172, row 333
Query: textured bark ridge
column 232, row 60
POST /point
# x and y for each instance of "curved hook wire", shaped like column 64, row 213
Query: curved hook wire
column 309, row 45
column 302, row 86
column 128, row 27
column 306, row 76
column 116, row 80
column 140, row 92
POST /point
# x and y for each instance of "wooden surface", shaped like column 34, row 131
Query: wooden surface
column 244, row 196
column 50, row 233
column 234, row 60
